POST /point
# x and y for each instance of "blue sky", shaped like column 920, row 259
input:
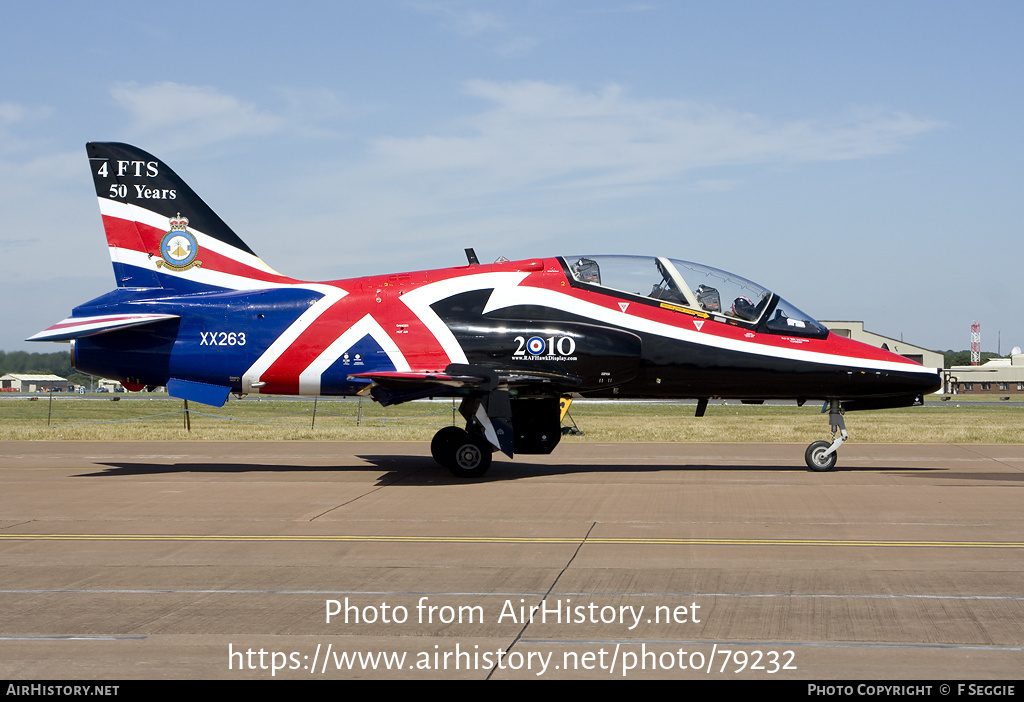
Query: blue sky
column 863, row 159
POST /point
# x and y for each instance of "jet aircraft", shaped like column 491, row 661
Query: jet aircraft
column 197, row 311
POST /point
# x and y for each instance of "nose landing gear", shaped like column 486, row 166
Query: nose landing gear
column 821, row 455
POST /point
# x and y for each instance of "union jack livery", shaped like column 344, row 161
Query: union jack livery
column 197, row 311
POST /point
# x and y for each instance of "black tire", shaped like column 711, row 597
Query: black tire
column 440, row 445
column 815, row 458
column 470, row 457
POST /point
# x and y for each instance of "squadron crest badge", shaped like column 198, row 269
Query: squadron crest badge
column 178, row 248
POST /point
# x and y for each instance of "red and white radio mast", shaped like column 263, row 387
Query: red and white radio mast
column 975, row 343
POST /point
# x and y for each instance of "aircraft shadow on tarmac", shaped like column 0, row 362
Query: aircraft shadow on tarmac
column 421, row 470
column 411, row 469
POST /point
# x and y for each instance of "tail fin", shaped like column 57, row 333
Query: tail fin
column 161, row 234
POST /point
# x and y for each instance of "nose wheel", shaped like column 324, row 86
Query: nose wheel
column 821, row 456
column 818, row 458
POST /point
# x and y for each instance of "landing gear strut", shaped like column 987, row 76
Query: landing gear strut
column 497, row 422
column 821, row 455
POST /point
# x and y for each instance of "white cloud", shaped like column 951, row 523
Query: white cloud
column 552, row 162
column 471, row 20
column 466, row 18
column 628, row 8
column 539, row 157
column 29, row 162
column 175, row 115
column 11, row 113
column 715, row 185
column 13, row 116
column 537, row 133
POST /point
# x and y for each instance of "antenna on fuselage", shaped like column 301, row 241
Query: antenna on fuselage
column 471, row 257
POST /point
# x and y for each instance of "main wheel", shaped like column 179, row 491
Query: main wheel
column 470, row 456
column 816, row 458
column 441, row 444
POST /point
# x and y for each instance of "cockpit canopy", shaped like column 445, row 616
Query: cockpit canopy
column 714, row 292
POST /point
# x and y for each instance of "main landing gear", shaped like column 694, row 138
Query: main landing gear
column 465, row 455
column 821, row 455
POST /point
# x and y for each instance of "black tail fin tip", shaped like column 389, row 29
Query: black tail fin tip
column 126, row 174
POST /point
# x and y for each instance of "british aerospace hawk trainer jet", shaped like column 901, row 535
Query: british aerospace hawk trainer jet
column 197, row 311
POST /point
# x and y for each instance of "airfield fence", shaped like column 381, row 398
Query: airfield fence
column 143, row 417
column 67, row 411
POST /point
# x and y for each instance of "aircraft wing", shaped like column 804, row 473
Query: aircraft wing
column 418, row 378
column 78, row 327
column 394, row 387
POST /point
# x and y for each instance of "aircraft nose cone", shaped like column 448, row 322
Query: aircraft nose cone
column 883, row 373
column 894, row 389
column 931, row 383
column 908, row 382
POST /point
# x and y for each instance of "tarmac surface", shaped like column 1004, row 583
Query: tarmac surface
column 319, row 560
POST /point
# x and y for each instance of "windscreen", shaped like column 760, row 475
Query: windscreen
column 694, row 285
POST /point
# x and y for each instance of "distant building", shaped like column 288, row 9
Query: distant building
column 18, row 382
column 998, row 376
column 855, row 331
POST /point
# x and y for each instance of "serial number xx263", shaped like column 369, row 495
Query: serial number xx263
column 221, row 338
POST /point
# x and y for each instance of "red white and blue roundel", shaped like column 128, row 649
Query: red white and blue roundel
column 535, row 345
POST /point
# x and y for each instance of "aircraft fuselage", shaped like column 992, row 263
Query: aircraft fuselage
column 592, row 342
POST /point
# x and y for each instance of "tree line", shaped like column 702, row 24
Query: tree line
column 25, row 363
column 963, row 358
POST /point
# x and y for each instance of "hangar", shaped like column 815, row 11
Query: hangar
column 997, row 376
column 19, row 382
column 856, row 331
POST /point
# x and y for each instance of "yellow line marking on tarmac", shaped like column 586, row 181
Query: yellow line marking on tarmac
column 605, row 541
